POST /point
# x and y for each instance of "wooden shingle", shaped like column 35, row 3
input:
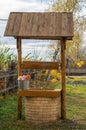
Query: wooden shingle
column 35, row 25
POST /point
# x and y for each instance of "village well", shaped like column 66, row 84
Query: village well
column 41, row 105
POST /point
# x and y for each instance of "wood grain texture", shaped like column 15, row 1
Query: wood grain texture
column 19, row 107
column 63, row 74
column 40, row 93
column 45, row 25
column 19, row 56
column 39, row 65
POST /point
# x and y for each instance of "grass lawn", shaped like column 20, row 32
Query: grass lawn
column 76, row 112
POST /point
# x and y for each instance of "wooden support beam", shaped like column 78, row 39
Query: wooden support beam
column 19, row 56
column 39, row 65
column 19, row 74
column 63, row 92
column 40, row 93
column 19, row 107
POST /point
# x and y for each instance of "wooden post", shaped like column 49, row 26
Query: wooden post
column 19, row 56
column 63, row 86
column 19, row 107
column 19, row 74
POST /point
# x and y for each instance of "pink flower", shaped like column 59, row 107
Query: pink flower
column 20, row 78
column 24, row 77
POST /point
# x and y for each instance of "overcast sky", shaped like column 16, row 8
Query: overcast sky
column 7, row 6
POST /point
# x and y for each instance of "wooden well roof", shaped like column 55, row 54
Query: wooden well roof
column 35, row 25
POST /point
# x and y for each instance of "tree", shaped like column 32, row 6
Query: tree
column 75, row 6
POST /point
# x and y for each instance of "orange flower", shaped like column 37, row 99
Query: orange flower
column 28, row 76
column 24, row 77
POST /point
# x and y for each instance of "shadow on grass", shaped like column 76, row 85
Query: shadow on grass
column 59, row 125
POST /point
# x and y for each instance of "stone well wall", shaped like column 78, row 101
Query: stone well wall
column 42, row 109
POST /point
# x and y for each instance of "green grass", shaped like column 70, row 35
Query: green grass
column 76, row 102
column 76, row 113
column 76, row 79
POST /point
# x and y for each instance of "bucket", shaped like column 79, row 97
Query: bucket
column 23, row 84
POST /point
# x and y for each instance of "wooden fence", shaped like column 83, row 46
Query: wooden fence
column 76, row 71
column 8, row 81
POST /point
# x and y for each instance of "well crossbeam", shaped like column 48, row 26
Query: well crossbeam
column 39, row 65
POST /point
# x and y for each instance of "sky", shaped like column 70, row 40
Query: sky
column 7, row 6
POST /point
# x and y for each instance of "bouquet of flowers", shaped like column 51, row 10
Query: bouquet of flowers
column 24, row 77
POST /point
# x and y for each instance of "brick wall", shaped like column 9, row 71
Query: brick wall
column 42, row 109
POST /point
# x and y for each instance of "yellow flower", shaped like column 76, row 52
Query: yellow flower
column 80, row 63
column 53, row 81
